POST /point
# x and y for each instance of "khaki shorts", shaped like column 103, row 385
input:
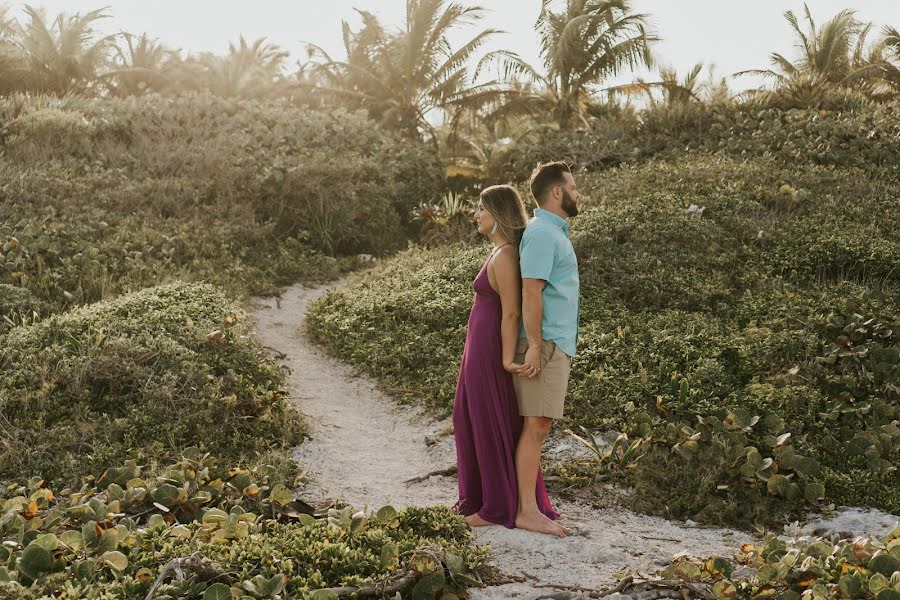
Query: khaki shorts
column 543, row 395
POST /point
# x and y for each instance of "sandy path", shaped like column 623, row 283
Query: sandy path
column 364, row 447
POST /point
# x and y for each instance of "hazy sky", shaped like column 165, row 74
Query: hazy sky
column 732, row 34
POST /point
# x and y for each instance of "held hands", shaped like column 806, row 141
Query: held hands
column 519, row 369
column 532, row 365
column 512, row 367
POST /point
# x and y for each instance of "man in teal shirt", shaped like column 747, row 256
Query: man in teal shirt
column 549, row 329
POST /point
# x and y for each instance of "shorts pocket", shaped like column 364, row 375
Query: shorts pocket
column 548, row 349
column 521, row 348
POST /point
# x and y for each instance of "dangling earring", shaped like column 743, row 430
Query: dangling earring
column 494, row 228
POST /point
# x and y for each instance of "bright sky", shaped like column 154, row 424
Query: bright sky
column 732, row 34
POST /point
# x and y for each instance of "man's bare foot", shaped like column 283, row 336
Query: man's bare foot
column 476, row 521
column 539, row 523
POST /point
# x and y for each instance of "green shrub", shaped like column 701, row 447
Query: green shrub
column 140, row 377
column 749, row 322
column 236, row 531
column 98, row 255
column 858, row 136
column 334, row 174
column 110, row 195
column 795, row 568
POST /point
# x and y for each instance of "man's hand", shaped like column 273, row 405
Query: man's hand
column 532, row 364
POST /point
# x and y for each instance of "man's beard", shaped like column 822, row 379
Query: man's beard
column 569, row 205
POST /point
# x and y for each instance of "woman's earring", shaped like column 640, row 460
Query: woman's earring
column 494, row 229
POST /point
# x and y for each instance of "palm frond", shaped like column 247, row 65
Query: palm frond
column 464, row 54
column 511, row 66
column 787, row 67
column 766, row 73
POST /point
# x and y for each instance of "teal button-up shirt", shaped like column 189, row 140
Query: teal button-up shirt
column 546, row 253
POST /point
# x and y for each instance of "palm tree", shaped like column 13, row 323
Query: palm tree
column 479, row 149
column 582, row 44
column 63, row 56
column 10, row 57
column 673, row 90
column 249, row 70
column 679, row 92
column 403, row 78
column 140, row 66
column 889, row 72
column 835, row 55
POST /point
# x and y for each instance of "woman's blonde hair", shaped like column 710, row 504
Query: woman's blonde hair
column 504, row 203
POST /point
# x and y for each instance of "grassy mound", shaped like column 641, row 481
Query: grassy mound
column 106, row 196
column 233, row 532
column 140, row 377
column 863, row 135
column 778, row 302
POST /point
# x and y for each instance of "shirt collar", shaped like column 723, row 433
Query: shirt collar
column 540, row 213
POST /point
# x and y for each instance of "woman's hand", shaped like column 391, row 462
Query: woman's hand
column 512, row 367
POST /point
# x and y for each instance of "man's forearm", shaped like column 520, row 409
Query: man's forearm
column 532, row 309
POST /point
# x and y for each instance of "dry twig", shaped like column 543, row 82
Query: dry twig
column 191, row 563
column 447, row 472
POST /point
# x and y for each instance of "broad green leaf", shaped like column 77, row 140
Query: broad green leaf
column 217, row 591
column 428, row 586
column 778, row 485
column 35, row 560
column 73, row 539
column 885, row 564
column 47, row 541
column 813, row 491
column 281, row 495
column 166, row 494
column 878, row 582
column 386, row 513
column 115, row 559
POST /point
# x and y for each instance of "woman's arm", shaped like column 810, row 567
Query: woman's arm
column 506, row 273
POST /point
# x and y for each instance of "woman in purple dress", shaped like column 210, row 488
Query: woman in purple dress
column 486, row 420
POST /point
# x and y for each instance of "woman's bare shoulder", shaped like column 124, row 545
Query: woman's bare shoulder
column 507, row 257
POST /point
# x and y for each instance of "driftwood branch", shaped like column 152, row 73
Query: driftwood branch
column 622, row 585
column 398, row 583
column 192, row 563
column 669, row 588
column 447, row 472
column 392, row 586
column 675, row 589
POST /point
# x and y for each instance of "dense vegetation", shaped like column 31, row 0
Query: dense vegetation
column 775, row 297
column 790, row 568
column 197, row 529
column 105, row 196
column 140, row 377
column 739, row 258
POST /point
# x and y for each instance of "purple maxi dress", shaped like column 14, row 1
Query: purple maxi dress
column 486, row 420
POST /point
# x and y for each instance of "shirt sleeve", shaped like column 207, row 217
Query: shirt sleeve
column 536, row 255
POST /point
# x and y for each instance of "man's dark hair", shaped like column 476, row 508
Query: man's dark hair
column 545, row 176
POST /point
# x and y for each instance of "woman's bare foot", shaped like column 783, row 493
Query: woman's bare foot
column 476, row 521
column 540, row 523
